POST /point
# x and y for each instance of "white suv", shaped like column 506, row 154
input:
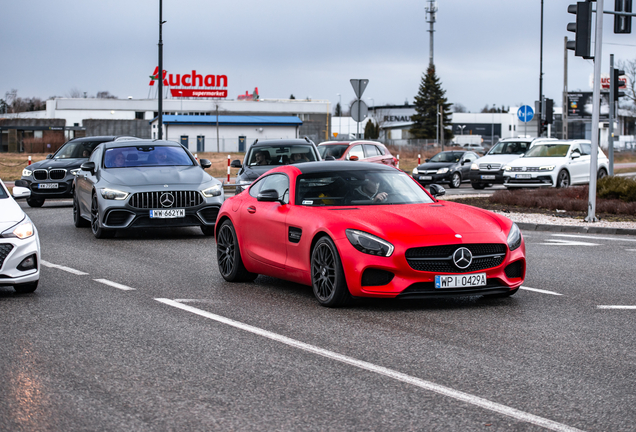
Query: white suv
column 554, row 164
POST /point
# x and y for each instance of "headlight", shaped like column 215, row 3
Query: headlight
column 212, row 191
column 474, row 167
column 547, row 168
column 75, row 171
column 415, row 172
column 26, row 172
column 369, row 244
column 507, row 168
column 113, row 194
column 22, row 230
column 442, row 170
column 514, row 237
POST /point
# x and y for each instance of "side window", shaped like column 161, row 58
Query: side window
column 576, row 148
column 380, row 150
column 586, row 149
column 255, row 188
column 278, row 182
column 371, row 150
column 356, row 151
column 96, row 156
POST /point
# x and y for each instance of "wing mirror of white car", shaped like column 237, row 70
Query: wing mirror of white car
column 20, row 192
column 575, row 155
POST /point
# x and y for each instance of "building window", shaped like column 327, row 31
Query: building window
column 139, row 115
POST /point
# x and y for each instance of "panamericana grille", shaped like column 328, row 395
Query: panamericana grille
column 439, row 259
column 40, row 174
column 5, row 249
column 152, row 200
column 493, row 167
column 527, row 169
column 57, row 174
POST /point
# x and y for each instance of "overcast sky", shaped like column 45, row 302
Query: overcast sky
column 486, row 51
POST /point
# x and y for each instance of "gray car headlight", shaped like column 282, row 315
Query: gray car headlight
column 22, row 230
column 369, row 244
column 27, row 172
column 442, row 170
column 113, row 194
column 212, row 191
column 75, row 171
column 514, row 237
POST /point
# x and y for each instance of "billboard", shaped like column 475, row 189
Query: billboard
column 580, row 105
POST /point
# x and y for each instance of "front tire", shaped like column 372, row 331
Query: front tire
column 456, row 180
column 327, row 276
column 35, row 202
column 563, row 179
column 26, row 288
column 478, row 186
column 228, row 255
column 98, row 231
column 601, row 173
column 78, row 220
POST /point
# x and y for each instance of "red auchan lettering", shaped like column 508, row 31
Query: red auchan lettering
column 192, row 80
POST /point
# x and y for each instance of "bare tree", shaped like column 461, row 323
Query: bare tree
column 105, row 95
column 74, row 93
column 459, row 108
column 629, row 66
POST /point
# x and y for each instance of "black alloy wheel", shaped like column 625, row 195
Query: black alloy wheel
column 78, row 220
column 26, row 288
column 601, row 173
column 456, row 180
column 228, row 255
column 98, row 232
column 35, row 202
column 563, row 179
column 327, row 277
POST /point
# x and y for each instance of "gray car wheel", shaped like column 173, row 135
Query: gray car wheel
column 78, row 220
column 456, row 180
column 98, row 231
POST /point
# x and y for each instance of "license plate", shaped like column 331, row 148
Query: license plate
column 488, row 177
column 167, row 213
column 426, row 177
column 48, row 186
column 460, row 281
column 524, row 176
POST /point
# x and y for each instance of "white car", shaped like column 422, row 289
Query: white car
column 19, row 244
column 560, row 163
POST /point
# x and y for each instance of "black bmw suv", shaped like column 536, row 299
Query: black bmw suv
column 53, row 177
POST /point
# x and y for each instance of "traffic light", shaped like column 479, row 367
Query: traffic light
column 544, row 127
column 622, row 23
column 549, row 111
column 582, row 28
column 617, row 83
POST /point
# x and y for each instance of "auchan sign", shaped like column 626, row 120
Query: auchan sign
column 192, row 80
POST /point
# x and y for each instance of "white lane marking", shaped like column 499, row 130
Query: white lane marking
column 114, row 284
column 631, row 250
column 615, row 307
column 539, row 290
column 594, row 237
column 557, row 242
column 445, row 391
column 61, row 267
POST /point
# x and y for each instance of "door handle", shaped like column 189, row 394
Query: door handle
column 251, row 209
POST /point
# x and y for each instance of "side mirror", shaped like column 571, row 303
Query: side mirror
column 205, row 163
column 88, row 166
column 21, row 183
column 20, row 192
column 464, row 162
column 427, row 160
column 236, row 164
column 49, row 156
column 353, row 158
column 436, row 190
column 269, row 195
column 330, row 158
column 575, row 155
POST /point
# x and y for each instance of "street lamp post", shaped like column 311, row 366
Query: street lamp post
column 339, row 113
column 461, row 128
column 492, row 128
column 160, row 77
column 181, row 93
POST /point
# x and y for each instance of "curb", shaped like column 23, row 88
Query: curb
column 575, row 229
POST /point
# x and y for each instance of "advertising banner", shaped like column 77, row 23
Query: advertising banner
column 580, row 105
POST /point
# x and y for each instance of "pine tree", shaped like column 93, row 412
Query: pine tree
column 338, row 111
column 429, row 96
column 371, row 130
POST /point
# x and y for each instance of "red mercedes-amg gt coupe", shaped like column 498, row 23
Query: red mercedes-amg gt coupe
column 356, row 229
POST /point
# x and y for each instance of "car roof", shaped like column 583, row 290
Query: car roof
column 141, row 142
column 282, row 142
column 336, row 166
column 349, row 142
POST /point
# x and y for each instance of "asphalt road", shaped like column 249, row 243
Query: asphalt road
column 141, row 333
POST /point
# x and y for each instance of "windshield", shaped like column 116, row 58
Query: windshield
column 3, row 192
column 332, row 150
column 127, row 157
column 447, row 157
column 347, row 188
column 510, row 147
column 548, row 150
column 76, row 149
column 280, row 155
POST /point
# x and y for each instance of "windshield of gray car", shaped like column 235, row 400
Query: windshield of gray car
column 509, row 147
column 138, row 156
column 280, row 155
column 347, row 188
column 77, row 149
column 447, row 157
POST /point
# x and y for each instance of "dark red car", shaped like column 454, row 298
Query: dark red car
column 355, row 229
column 368, row 151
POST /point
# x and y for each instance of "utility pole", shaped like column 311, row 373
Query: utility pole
column 160, row 77
column 610, row 132
column 431, row 10
column 540, row 113
column 564, row 115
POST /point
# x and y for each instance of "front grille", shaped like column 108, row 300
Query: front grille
column 209, row 214
column 376, row 277
column 427, row 290
column 181, row 199
column 40, row 174
column 118, row 218
column 57, row 174
column 493, row 167
column 5, row 249
column 439, row 259
column 527, row 169
column 514, row 270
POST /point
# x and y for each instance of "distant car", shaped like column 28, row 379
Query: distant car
column 19, row 245
column 488, row 170
column 477, row 148
column 368, row 151
column 53, row 177
column 355, row 229
column 450, row 167
column 262, row 156
column 145, row 184
column 559, row 163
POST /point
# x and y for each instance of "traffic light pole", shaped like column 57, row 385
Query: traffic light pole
column 598, row 52
column 610, row 138
column 540, row 114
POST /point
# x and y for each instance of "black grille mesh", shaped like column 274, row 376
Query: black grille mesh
column 514, row 270
column 376, row 277
column 152, row 200
column 209, row 214
column 440, row 257
column 40, row 174
column 4, row 252
column 117, row 217
column 57, row 174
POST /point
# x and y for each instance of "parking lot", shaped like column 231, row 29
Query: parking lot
column 141, row 333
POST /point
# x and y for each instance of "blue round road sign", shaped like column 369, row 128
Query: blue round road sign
column 525, row 113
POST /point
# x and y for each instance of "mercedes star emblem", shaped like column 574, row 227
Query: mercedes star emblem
column 166, row 199
column 462, row 258
column 489, row 167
